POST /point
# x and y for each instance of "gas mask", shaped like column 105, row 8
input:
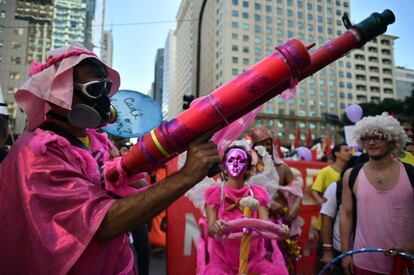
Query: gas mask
column 95, row 109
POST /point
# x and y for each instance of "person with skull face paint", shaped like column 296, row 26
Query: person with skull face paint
column 222, row 205
column 58, row 214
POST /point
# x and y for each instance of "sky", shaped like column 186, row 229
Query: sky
column 140, row 27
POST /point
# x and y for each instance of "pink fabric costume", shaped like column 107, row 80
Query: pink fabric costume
column 224, row 254
column 51, row 196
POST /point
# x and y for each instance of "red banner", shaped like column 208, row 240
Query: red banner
column 183, row 231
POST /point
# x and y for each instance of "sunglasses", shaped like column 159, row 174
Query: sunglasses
column 95, row 89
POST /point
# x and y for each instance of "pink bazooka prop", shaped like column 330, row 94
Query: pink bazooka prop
column 258, row 84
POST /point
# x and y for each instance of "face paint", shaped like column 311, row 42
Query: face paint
column 236, row 162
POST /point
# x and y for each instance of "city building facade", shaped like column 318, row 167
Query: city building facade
column 404, row 81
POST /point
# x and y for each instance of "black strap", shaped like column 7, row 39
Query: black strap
column 63, row 133
column 352, row 178
column 338, row 194
column 410, row 172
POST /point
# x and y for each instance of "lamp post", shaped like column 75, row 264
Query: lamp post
column 200, row 20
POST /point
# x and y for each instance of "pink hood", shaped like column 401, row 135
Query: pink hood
column 54, row 83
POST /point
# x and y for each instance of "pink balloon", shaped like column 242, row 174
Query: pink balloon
column 304, row 153
column 354, row 112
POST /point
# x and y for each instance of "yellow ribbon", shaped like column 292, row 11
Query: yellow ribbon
column 233, row 203
column 158, row 144
column 245, row 246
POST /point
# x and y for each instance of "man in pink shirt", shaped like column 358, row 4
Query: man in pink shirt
column 384, row 198
column 58, row 215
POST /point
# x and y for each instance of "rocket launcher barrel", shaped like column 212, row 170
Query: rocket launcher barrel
column 256, row 85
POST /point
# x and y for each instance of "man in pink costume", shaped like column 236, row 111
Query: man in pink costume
column 286, row 203
column 58, row 216
column 222, row 205
column 384, row 198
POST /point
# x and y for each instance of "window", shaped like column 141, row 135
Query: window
column 257, row 51
column 289, row 13
column 385, row 42
column 246, row 49
column 16, row 60
column 246, row 61
column 360, row 77
column 14, row 75
column 234, row 72
column 245, row 4
column 388, row 91
column 256, row 6
column 257, row 40
column 350, row 96
column 361, row 87
column 257, row 28
column 245, row 37
column 268, row 8
column 234, row 13
column 386, row 61
column 18, row 31
column 235, row 2
column 235, row 36
column 257, row 17
column 2, row 14
column 235, row 48
column 374, row 89
column 245, row 15
column 290, row 23
column 245, row 26
column 235, row 60
column 279, row 32
column 235, row 25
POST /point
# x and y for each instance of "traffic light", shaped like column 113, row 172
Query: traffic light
column 187, row 100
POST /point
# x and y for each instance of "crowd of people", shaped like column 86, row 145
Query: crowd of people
column 60, row 215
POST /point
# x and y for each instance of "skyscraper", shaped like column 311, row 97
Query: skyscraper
column 158, row 76
column 171, row 97
column 69, row 21
column 404, row 80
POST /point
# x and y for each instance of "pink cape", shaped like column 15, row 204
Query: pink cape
column 51, row 205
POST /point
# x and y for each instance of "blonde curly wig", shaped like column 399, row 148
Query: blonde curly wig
column 382, row 124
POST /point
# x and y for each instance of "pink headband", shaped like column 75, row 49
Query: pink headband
column 37, row 67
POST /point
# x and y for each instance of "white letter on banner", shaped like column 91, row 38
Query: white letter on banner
column 192, row 233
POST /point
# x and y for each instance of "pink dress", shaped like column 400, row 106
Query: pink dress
column 224, row 254
column 51, row 205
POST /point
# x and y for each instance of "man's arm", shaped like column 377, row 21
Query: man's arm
column 125, row 213
column 326, row 236
column 317, row 197
column 346, row 222
column 317, row 188
column 328, row 213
